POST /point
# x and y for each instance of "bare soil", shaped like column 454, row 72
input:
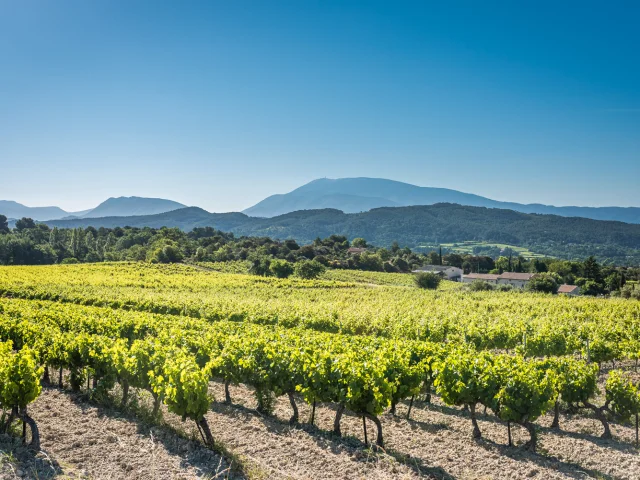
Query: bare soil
column 82, row 440
column 435, row 443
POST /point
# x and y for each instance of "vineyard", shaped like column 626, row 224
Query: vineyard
column 327, row 353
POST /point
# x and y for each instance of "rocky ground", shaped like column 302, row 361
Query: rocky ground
column 84, row 440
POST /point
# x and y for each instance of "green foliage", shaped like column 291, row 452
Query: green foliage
column 183, row 386
column 309, row 269
column 359, row 243
column 281, row 268
column 466, row 378
column 19, row 377
column 622, row 395
column 526, row 391
column 480, row 286
column 543, row 283
column 427, row 280
column 165, row 254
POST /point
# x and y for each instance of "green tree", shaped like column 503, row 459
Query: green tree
column 359, row 242
column 4, row 225
column 25, row 223
column 281, row 268
column 454, row 259
column 543, row 283
column 591, row 269
column 502, row 264
column 614, row 281
column 309, row 269
column 433, row 258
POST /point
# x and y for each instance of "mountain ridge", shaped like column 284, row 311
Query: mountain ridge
column 329, row 193
column 113, row 206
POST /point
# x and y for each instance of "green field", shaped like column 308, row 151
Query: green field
column 468, row 248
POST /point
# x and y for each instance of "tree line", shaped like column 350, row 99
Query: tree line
column 31, row 243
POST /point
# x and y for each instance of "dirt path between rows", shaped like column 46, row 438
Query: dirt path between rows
column 82, row 440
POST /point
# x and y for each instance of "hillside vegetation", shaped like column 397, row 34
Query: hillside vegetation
column 562, row 237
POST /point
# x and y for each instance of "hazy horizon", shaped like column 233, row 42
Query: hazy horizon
column 275, row 193
column 220, row 105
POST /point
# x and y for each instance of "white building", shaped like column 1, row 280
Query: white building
column 516, row 280
column 485, row 277
column 450, row 273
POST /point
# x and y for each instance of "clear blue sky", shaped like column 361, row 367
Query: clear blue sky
column 219, row 104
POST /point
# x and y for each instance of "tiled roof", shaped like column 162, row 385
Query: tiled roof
column 516, row 276
column 567, row 288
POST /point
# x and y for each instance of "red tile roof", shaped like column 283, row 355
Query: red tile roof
column 567, row 288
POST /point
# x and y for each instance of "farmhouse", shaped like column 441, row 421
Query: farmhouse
column 570, row 290
column 485, row 277
column 450, row 273
column 356, row 250
column 517, row 280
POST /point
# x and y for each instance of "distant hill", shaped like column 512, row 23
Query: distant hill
column 117, row 207
column 131, row 206
column 12, row 209
column 353, row 195
column 413, row 226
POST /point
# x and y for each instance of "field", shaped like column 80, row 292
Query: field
column 202, row 373
column 467, row 248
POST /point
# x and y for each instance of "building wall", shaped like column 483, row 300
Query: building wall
column 466, row 279
column 515, row 283
column 454, row 273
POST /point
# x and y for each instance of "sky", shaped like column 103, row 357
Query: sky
column 221, row 103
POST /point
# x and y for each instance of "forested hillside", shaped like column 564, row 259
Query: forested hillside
column 563, row 237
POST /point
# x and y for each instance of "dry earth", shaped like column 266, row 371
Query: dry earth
column 82, row 440
column 435, row 443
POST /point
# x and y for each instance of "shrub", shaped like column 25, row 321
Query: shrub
column 165, row 254
column 427, row 280
column 480, row 286
column 69, row 261
column 389, row 267
column 281, row 268
column 309, row 269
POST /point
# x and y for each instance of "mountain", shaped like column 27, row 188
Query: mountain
column 564, row 237
column 112, row 207
column 352, row 195
column 132, row 206
column 12, row 209
column 186, row 219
